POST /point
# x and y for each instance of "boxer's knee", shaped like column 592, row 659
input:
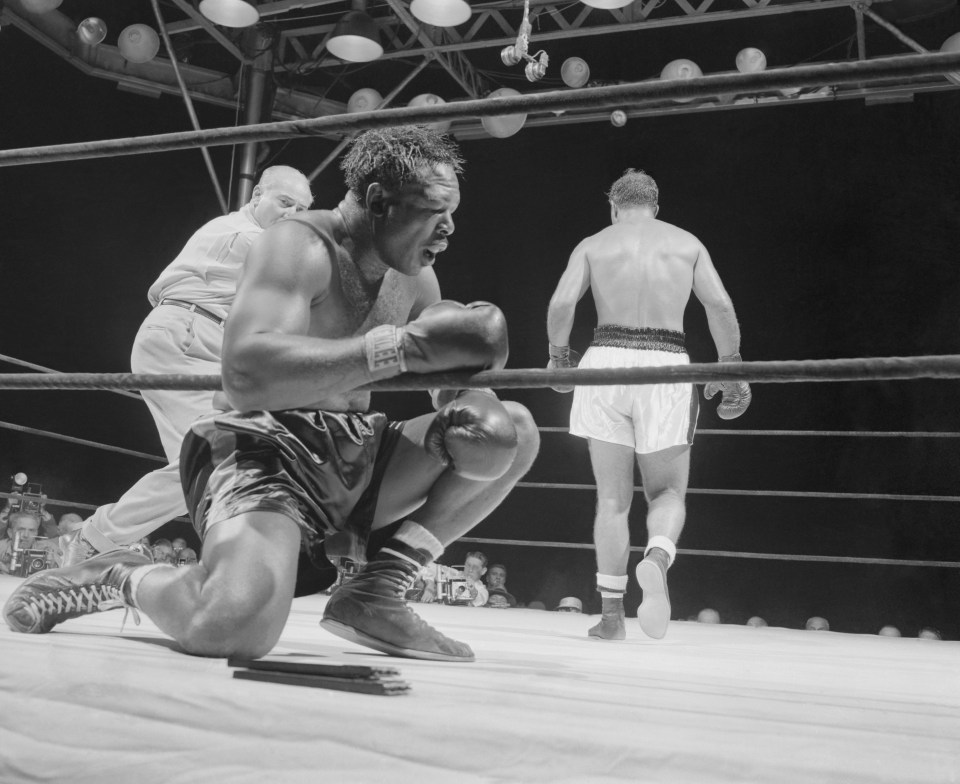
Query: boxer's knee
column 528, row 437
column 234, row 623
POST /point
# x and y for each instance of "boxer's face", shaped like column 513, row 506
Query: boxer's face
column 411, row 225
column 26, row 525
column 186, row 557
column 285, row 196
column 473, row 569
column 163, row 553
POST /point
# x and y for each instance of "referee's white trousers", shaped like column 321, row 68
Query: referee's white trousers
column 170, row 340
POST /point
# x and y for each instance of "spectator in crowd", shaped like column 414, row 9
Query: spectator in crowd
column 756, row 621
column 69, row 522
column 187, row 556
column 536, row 604
column 162, row 551
column 178, row 544
column 22, row 527
column 570, row 604
column 929, row 633
column 817, row 624
column 889, row 631
column 708, row 615
column 466, row 587
column 48, row 524
column 497, row 587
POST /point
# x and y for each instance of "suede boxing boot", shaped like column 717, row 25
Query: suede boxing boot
column 370, row 609
column 654, row 612
column 50, row 597
column 611, row 626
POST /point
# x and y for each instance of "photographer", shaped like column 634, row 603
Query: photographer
column 22, row 531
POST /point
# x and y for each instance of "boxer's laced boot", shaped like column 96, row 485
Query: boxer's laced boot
column 611, row 626
column 371, row 610
column 654, row 612
column 50, row 597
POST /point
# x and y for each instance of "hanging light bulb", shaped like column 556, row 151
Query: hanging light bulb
column 575, row 72
column 356, row 38
column 230, row 13
column 429, row 99
column 40, row 6
column 505, row 125
column 366, row 99
column 92, row 31
column 441, row 13
column 607, row 4
column 138, row 43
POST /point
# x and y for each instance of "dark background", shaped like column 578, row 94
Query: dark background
column 833, row 227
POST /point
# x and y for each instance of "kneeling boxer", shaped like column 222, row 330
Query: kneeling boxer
column 329, row 301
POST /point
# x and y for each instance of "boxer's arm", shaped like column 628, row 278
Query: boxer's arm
column 563, row 304
column 269, row 361
column 721, row 317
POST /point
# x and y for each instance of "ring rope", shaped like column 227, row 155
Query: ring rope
column 569, row 486
column 781, row 371
column 608, row 97
column 843, row 433
column 844, row 559
column 24, row 363
column 768, row 493
column 82, row 441
column 77, row 505
column 54, row 502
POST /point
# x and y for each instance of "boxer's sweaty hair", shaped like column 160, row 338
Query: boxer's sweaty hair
column 396, row 156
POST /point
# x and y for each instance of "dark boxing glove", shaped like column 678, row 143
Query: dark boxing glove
column 736, row 394
column 562, row 357
column 446, row 336
column 474, row 436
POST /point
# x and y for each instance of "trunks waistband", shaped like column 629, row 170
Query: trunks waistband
column 639, row 338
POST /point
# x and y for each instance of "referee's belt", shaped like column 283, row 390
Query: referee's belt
column 193, row 308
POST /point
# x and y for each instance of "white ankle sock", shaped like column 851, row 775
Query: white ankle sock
column 611, row 586
column 664, row 543
column 136, row 577
column 419, row 538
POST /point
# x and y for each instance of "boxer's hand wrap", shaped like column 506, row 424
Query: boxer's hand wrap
column 474, row 436
column 384, row 348
column 562, row 357
column 736, row 394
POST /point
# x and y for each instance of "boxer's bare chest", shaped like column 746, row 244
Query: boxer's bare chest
column 353, row 305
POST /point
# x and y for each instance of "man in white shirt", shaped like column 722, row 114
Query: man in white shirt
column 465, row 587
column 183, row 334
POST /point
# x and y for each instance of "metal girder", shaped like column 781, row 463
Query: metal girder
column 453, row 62
column 480, row 35
column 57, row 32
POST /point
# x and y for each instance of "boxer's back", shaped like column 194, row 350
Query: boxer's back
column 641, row 273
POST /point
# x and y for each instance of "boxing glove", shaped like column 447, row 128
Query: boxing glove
column 562, row 357
column 736, row 394
column 446, row 336
column 474, row 436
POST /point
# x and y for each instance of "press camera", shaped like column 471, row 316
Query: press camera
column 26, row 496
column 24, row 561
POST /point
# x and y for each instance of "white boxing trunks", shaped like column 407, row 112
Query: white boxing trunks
column 646, row 417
